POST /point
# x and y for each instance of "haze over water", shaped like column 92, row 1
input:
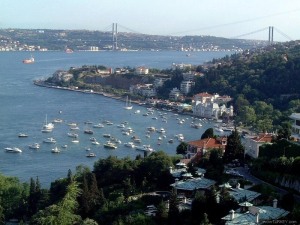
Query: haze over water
column 25, row 106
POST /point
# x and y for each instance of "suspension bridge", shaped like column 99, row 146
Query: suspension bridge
column 117, row 29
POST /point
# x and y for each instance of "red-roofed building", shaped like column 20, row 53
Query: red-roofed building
column 252, row 143
column 197, row 148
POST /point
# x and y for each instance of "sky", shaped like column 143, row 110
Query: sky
column 248, row 19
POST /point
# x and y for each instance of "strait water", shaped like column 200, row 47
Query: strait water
column 24, row 107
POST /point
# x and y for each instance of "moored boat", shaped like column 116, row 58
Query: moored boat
column 13, row 150
column 34, row 146
column 28, row 61
column 110, row 145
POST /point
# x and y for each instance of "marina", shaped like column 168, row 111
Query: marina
column 25, row 105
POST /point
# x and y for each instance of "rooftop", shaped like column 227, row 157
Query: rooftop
column 194, row 184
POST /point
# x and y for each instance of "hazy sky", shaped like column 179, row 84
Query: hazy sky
column 224, row 18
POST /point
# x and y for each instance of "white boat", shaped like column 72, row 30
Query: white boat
column 106, row 135
column 13, row 150
column 55, row 150
column 22, row 135
column 91, row 154
column 121, row 125
column 48, row 126
column 110, row 145
column 88, row 131
column 95, row 143
column 161, row 130
column 129, row 144
column 64, row 146
column 151, row 128
column 34, row 146
column 28, row 61
column 72, row 124
column 75, row 141
column 218, row 129
column 74, row 128
column 49, row 140
column 146, row 148
column 73, row 135
column 99, row 125
column 196, row 125
column 128, row 104
column 57, row 121
column 137, row 112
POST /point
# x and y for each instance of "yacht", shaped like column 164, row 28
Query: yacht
column 99, row 125
column 161, row 130
column 91, row 154
column 95, row 143
column 49, row 140
column 57, row 121
column 34, row 146
column 129, row 144
column 55, row 150
column 73, row 135
column 13, row 150
column 88, row 131
column 22, row 135
column 146, row 148
column 106, row 135
column 110, row 145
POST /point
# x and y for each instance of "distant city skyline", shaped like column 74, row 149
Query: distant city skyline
column 230, row 19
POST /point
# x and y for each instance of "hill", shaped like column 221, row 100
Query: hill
column 21, row 39
column 264, row 82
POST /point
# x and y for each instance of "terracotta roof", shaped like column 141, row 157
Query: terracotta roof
column 263, row 138
column 208, row 143
column 204, row 94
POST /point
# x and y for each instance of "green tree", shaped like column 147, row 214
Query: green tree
column 182, row 148
column 173, row 216
column 209, row 133
column 62, row 213
column 234, row 148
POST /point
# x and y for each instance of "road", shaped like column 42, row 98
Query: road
column 248, row 176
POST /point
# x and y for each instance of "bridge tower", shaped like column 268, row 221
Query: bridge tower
column 114, row 36
column 271, row 35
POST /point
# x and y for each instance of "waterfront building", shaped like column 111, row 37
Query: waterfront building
column 295, row 126
column 146, row 90
column 211, row 106
column 175, row 94
column 141, row 70
column 252, row 143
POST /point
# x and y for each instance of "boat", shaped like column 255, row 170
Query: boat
column 171, row 141
column 95, row 143
column 68, row 50
column 13, row 150
column 88, row 131
column 74, row 128
column 28, row 61
column 151, row 128
column 75, row 141
column 57, row 121
column 99, row 125
column 137, row 112
column 121, row 125
column 73, row 135
column 146, row 148
column 64, row 146
column 91, row 154
column 49, row 140
column 196, row 125
column 128, row 104
column 161, row 130
column 55, row 150
column 47, row 127
column 129, row 144
column 106, row 135
column 110, row 145
column 21, row 135
column 34, row 146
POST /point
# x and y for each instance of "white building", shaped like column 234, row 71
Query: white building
column 144, row 90
column 207, row 105
column 186, row 86
column 141, row 70
column 295, row 126
column 175, row 94
column 252, row 143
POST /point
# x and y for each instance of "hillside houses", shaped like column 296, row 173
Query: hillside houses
column 252, row 143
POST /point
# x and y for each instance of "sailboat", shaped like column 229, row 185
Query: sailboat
column 48, row 127
column 128, row 104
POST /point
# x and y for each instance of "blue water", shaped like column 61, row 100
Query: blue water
column 25, row 106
